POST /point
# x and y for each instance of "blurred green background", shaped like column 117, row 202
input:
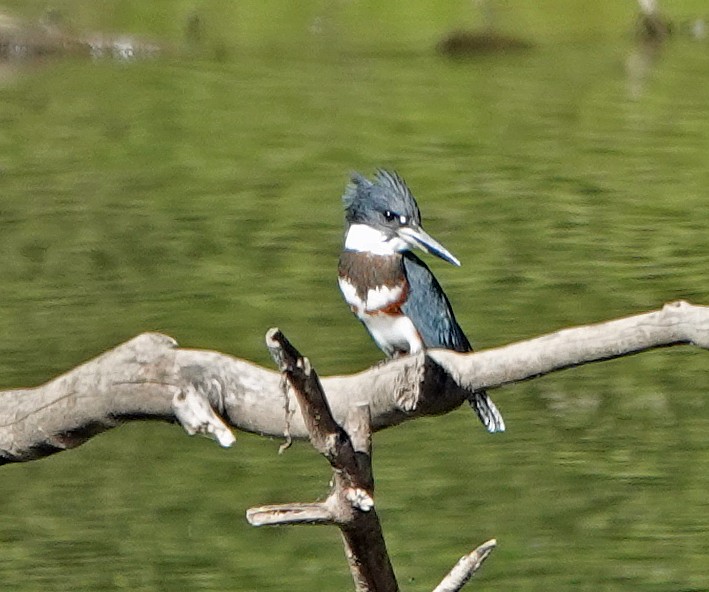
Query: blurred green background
column 197, row 193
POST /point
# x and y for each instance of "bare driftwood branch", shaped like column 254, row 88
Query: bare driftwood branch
column 350, row 503
column 676, row 323
column 150, row 377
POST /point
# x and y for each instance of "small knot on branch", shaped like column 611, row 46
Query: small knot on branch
column 360, row 499
column 677, row 304
column 195, row 414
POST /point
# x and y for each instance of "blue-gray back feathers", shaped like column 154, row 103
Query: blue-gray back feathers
column 429, row 309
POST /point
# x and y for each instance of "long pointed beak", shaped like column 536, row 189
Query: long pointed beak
column 418, row 237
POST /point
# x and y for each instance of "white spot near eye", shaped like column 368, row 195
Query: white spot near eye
column 402, row 219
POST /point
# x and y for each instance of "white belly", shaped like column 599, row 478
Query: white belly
column 393, row 333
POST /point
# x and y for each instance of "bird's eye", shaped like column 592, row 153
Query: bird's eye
column 390, row 216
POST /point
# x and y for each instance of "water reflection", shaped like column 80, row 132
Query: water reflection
column 203, row 199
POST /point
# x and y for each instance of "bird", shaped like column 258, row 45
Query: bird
column 389, row 289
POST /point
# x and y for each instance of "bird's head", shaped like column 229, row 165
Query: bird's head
column 383, row 217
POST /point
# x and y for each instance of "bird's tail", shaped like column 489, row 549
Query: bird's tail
column 486, row 410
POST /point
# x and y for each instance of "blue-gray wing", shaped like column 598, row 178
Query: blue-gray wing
column 428, row 308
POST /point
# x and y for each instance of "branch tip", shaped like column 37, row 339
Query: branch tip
column 274, row 515
column 465, row 568
column 272, row 337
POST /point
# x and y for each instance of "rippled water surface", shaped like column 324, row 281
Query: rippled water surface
column 198, row 194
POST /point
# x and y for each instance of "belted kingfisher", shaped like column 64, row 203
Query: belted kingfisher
column 390, row 289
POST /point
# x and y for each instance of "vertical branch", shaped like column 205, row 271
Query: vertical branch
column 362, row 534
column 350, row 504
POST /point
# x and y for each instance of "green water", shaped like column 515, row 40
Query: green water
column 198, row 195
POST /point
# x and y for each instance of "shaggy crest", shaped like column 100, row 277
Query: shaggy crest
column 388, row 192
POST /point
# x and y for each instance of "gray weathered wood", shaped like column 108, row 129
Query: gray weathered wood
column 350, row 504
column 465, row 568
column 142, row 379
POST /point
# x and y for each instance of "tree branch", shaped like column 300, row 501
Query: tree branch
column 465, row 568
column 296, row 513
column 149, row 376
column 350, row 504
column 676, row 323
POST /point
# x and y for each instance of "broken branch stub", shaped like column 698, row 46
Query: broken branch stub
column 326, row 435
